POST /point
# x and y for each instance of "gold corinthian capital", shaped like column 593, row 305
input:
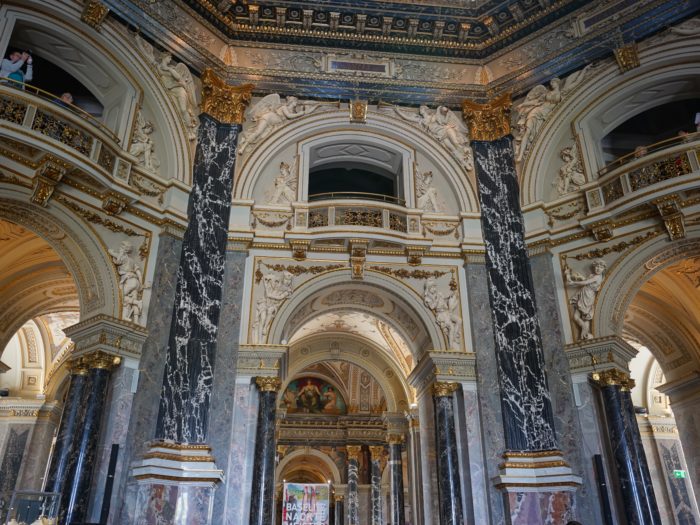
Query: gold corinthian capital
column 268, row 384
column 489, row 121
column 223, row 102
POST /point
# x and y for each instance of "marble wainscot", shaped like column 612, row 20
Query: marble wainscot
column 532, row 456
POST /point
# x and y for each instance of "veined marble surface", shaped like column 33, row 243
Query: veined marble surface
column 351, row 496
column 377, row 515
column 527, row 408
column 448, row 462
column 188, row 375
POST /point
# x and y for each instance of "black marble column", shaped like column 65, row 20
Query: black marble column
column 72, row 466
column 263, row 491
column 376, row 480
column 69, row 429
column 189, row 357
column 397, row 512
column 339, row 514
column 621, row 423
column 526, row 405
column 639, row 455
column 447, row 456
column 81, row 476
column 353, row 510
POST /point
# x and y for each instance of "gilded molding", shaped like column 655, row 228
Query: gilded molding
column 444, row 388
column 225, row 103
column 489, row 121
column 376, row 451
column 179, row 446
column 535, row 454
column 268, row 384
column 358, row 111
column 395, row 439
column 94, row 13
column 354, row 452
column 178, row 458
column 101, row 360
column 47, row 178
column 627, row 57
column 613, row 377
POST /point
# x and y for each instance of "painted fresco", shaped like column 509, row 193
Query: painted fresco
column 311, row 395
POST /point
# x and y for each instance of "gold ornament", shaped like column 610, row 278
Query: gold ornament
column 354, row 452
column 268, row 384
column 100, row 359
column 489, row 121
column 376, row 452
column 223, row 102
column 612, row 377
column 94, row 13
column 444, row 388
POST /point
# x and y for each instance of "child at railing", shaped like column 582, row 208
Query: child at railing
column 11, row 68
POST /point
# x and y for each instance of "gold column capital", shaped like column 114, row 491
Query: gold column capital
column 376, row 451
column 76, row 366
column 339, row 497
column 444, row 388
column 354, row 452
column 223, row 102
column 394, row 439
column 613, row 377
column 100, row 359
column 268, row 384
column 489, row 121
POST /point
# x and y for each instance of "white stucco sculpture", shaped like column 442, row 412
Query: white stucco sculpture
column 426, row 193
column 142, row 145
column 445, row 310
column 277, row 287
column 270, row 113
column 130, row 281
column 446, row 127
column 584, row 300
column 177, row 81
column 285, row 184
column 571, row 175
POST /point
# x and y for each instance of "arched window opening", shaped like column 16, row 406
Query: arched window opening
column 645, row 130
column 355, row 171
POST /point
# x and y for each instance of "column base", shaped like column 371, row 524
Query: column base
column 538, row 487
column 174, row 485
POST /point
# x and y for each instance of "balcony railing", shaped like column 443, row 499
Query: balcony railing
column 39, row 112
column 356, row 215
column 660, row 162
column 336, row 195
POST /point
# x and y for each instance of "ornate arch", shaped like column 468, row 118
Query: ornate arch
column 400, row 293
column 669, row 71
column 293, row 457
column 319, row 126
column 356, row 350
column 625, row 280
column 77, row 246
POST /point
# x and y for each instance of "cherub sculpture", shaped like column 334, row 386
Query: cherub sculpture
column 271, row 113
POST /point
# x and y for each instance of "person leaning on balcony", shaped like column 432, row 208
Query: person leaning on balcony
column 11, row 67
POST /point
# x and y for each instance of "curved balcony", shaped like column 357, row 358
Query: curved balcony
column 649, row 168
column 27, row 111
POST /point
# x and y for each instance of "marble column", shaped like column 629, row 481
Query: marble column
column 76, row 493
column 183, row 416
column 376, row 480
column 639, row 454
column 447, row 455
column 263, row 491
column 339, row 514
column 397, row 511
column 63, row 458
column 353, row 511
column 526, row 404
column 638, row 509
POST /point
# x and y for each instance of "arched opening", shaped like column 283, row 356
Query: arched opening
column 355, row 170
column 663, row 324
column 38, row 300
column 642, row 131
